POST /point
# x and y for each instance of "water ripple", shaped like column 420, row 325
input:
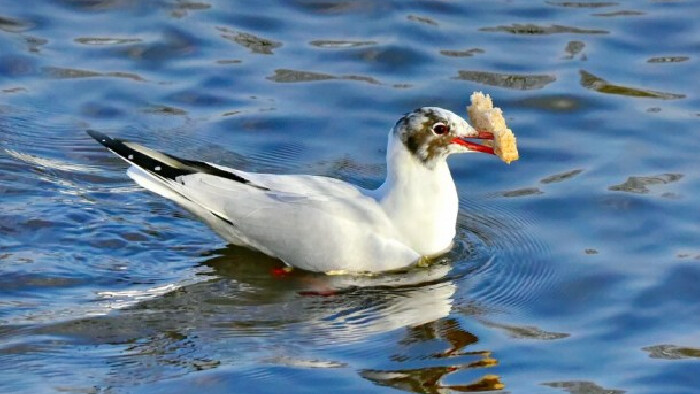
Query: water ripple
column 257, row 45
column 100, row 41
column 600, row 85
column 13, row 25
column 68, row 73
column 532, row 29
column 341, row 44
column 294, row 76
column 461, row 53
column 509, row 81
column 507, row 281
column 583, row 4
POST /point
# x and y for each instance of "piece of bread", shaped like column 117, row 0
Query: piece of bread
column 485, row 117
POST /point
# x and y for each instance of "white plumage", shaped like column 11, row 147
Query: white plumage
column 319, row 223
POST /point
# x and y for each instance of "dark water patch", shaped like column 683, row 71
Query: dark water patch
column 668, row 59
column 509, row 81
column 229, row 61
column 337, row 7
column 672, row 196
column 102, row 41
column 638, row 184
column 98, row 5
column 583, row 4
column 71, row 73
column 461, row 53
column 14, row 25
column 561, row 177
column 526, row 191
column 558, row 103
column 387, row 59
column 164, row 110
column 193, row 5
column 181, row 8
column 232, row 113
column 14, row 89
column 34, row 44
column 361, row 78
column 621, row 13
column 257, row 45
column 582, row 387
column 532, row 29
column 295, row 76
column 422, row 19
column 341, row 44
column 600, row 85
column 526, row 332
column 672, row 352
column 574, row 48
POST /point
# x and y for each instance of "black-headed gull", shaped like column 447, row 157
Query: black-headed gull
column 319, row 223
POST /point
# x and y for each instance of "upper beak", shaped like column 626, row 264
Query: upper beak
column 472, row 146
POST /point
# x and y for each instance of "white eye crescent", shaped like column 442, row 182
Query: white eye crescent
column 441, row 128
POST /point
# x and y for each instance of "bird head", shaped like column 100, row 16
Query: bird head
column 431, row 134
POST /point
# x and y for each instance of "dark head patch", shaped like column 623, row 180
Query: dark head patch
column 415, row 130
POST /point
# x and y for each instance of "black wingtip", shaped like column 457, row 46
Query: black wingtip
column 99, row 137
column 160, row 168
column 139, row 158
column 115, row 145
column 102, row 138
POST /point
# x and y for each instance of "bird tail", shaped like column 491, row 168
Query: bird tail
column 156, row 163
column 163, row 165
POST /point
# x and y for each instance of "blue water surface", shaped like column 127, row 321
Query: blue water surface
column 575, row 269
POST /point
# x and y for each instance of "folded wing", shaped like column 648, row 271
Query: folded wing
column 310, row 222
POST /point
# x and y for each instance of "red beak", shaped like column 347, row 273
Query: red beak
column 481, row 135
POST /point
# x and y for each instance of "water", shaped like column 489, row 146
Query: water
column 575, row 270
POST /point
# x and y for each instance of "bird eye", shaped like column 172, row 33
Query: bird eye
column 440, row 128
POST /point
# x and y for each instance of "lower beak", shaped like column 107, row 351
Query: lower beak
column 480, row 135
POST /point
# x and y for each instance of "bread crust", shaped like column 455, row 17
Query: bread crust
column 485, row 117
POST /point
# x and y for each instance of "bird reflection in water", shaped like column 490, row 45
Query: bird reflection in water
column 429, row 380
column 242, row 317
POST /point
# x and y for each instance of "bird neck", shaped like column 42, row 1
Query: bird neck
column 406, row 171
column 421, row 202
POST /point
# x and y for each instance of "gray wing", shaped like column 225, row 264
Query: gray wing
column 323, row 224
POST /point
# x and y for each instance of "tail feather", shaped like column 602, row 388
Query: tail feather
column 163, row 165
column 142, row 157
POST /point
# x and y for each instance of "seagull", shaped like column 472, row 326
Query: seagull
column 319, row 223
